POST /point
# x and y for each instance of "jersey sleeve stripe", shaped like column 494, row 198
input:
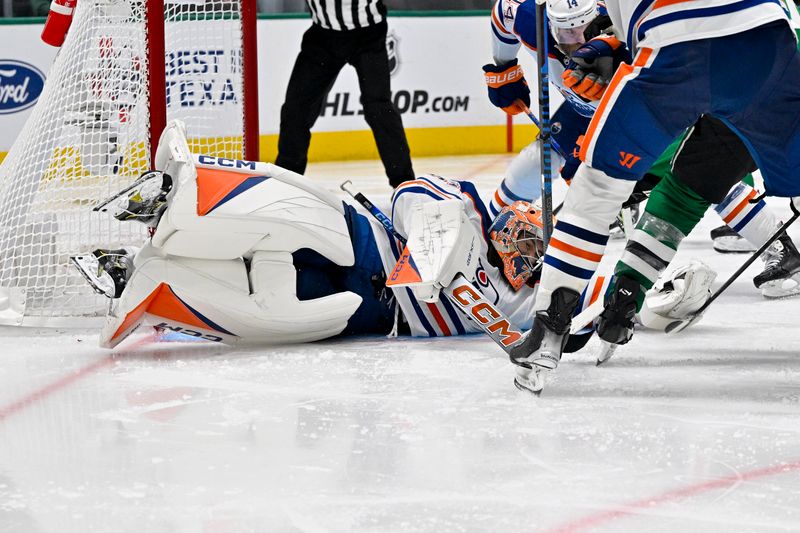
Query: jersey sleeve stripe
column 508, row 194
column 705, row 12
column 501, row 38
column 497, row 18
column 437, row 187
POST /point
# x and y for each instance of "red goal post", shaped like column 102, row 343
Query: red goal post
column 125, row 69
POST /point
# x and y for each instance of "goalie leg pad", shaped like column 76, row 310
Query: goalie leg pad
column 224, row 208
column 213, row 300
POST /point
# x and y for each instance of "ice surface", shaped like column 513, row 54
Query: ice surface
column 694, row 432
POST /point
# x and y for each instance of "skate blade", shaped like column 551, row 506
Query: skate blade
column 119, row 201
column 680, row 325
column 607, row 349
column 97, row 277
column 531, row 381
column 783, row 288
column 733, row 245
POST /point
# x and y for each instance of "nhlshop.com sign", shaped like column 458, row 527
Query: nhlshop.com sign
column 431, row 90
column 419, row 101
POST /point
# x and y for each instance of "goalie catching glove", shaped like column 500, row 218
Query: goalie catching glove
column 442, row 243
column 506, row 85
column 592, row 66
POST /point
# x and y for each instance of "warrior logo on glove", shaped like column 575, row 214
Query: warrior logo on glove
column 517, row 235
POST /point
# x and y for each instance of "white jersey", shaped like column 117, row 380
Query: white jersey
column 443, row 318
column 658, row 23
column 513, row 26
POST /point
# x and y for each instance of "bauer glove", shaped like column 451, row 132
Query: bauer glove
column 591, row 66
column 507, row 85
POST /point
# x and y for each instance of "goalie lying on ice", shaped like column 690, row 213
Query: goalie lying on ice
column 247, row 251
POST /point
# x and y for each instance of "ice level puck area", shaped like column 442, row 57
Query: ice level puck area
column 698, row 431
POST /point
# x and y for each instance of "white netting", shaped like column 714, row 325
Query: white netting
column 88, row 137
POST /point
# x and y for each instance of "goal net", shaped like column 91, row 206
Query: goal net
column 126, row 67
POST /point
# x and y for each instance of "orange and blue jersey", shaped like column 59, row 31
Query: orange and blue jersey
column 513, row 24
column 659, row 23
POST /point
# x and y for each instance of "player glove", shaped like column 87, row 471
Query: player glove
column 507, row 85
column 591, row 66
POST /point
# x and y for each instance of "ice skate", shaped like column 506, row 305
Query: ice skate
column 615, row 325
column 607, row 349
column 144, row 201
column 107, row 271
column 781, row 275
column 727, row 241
column 542, row 349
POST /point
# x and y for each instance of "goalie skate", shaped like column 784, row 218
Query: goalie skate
column 781, row 275
column 144, row 200
column 107, row 271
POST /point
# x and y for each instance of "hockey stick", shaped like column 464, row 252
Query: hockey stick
column 539, row 135
column 680, row 325
column 544, row 119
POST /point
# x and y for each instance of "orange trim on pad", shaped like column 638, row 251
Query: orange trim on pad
column 215, row 184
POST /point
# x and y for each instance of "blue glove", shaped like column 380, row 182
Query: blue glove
column 507, row 85
column 592, row 66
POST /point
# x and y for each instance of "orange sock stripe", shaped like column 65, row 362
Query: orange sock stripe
column 730, row 216
column 573, row 250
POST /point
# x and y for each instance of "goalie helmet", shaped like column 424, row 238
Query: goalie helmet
column 518, row 237
column 569, row 18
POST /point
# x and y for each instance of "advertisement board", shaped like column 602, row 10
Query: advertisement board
column 437, row 85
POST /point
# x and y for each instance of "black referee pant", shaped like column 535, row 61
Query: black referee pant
column 323, row 54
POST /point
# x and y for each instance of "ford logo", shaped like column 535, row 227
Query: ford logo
column 21, row 85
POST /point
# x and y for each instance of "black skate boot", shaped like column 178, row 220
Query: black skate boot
column 727, row 241
column 107, row 271
column 781, row 275
column 541, row 351
column 616, row 321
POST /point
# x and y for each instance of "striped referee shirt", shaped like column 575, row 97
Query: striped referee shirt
column 343, row 15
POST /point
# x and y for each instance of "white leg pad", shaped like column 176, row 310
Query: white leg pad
column 212, row 299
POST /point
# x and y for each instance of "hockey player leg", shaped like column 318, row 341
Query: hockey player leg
column 575, row 251
column 671, row 213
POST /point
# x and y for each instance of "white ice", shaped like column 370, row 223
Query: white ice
column 694, row 432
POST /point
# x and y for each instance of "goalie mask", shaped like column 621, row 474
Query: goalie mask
column 517, row 235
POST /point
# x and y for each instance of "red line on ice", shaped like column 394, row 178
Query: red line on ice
column 18, row 405
column 595, row 520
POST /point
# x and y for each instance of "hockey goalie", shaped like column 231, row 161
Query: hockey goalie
column 248, row 251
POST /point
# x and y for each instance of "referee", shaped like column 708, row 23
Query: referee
column 344, row 32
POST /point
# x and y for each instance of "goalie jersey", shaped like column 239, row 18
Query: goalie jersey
column 443, row 318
